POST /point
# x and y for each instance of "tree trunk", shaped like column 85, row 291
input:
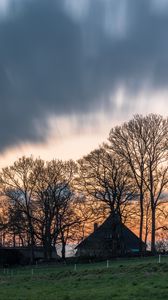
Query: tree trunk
column 141, row 224
column 14, row 240
column 63, row 251
column 32, row 257
column 153, row 248
column 153, row 210
column 146, row 233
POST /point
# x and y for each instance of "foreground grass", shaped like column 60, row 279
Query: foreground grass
column 122, row 280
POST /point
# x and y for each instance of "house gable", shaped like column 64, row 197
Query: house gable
column 112, row 238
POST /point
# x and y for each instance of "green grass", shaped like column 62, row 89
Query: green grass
column 140, row 279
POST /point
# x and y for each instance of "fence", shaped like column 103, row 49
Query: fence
column 79, row 267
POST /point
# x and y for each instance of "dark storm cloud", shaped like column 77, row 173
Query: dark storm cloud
column 52, row 61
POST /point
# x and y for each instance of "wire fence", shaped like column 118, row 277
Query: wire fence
column 61, row 268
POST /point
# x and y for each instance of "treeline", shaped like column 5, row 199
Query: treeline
column 46, row 203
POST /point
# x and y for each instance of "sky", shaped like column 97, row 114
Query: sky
column 72, row 69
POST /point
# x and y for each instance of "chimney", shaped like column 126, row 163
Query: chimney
column 95, row 226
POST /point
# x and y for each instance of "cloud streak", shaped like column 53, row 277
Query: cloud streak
column 56, row 60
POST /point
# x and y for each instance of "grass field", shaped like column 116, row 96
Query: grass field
column 133, row 279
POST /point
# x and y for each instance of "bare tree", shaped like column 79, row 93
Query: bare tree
column 54, row 198
column 17, row 224
column 19, row 181
column 4, row 217
column 142, row 144
column 156, row 178
column 130, row 142
column 42, row 206
column 105, row 177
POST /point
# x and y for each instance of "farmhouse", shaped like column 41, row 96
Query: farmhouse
column 22, row 255
column 111, row 239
